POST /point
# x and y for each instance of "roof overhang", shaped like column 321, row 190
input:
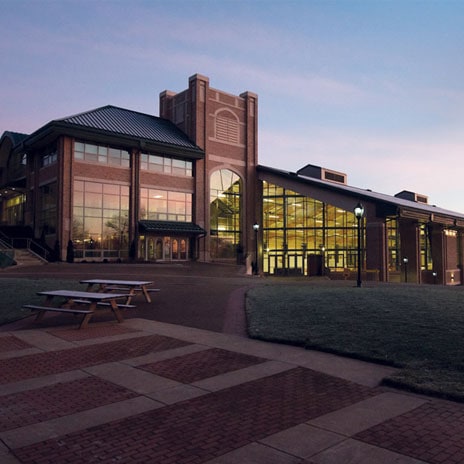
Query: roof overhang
column 381, row 204
column 171, row 227
column 51, row 131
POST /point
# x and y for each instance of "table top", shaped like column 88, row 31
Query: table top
column 83, row 295
column 116, row 282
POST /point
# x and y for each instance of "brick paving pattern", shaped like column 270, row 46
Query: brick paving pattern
column 12, row 343
column 61, row 399
column 434, row 432
column 196, row 430
column 36, row 365
column 91, row 332
column 201, row 365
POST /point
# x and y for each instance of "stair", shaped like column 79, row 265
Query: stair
column 24, row 257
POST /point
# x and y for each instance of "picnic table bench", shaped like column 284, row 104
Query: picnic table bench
column 87, row 304
column 131, row 286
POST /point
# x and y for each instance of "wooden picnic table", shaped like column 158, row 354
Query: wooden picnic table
column 76, row 302
column 132, row 287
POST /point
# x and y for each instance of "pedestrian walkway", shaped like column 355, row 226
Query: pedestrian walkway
column 152, row 392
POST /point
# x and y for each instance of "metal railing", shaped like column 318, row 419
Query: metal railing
column 8, row 243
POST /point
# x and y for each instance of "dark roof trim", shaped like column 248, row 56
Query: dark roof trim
column 15, row 137
column 171, row 227
column 121, row 127
column 405, row 208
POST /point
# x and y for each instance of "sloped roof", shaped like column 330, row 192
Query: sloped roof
column 367, row 195
column 15, row 137
column 171, row 227
column 126, row 122
column 120, row 126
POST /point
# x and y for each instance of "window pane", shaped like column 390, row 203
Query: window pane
column 92, row 149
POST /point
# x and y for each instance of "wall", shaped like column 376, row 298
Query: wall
column 225, row 126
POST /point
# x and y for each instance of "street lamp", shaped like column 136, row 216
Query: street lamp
column 405, row 262
column 359, row 213
column 256, row 229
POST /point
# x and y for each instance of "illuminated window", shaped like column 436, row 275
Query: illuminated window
column 100, row 220
column 225, row 214
column 296, row 227
column 164, row 205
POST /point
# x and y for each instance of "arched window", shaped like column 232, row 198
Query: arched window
column 225, row 214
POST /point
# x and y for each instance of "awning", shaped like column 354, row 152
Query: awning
column 171, row 227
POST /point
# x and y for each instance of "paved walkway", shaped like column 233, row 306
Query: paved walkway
column 151, row 392
column 147, row 391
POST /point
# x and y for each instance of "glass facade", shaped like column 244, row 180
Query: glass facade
column 48, row 203
column 13, row 210
column 100, row 220
column 225, row 214
column 165, row 165
column 163, row 248
column 302, row 235
column 164, row 205
column 393, row 244
column 101, row 154
column 425, row 248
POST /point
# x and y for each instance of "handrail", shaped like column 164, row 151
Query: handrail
column 4, row 237
column 31, row 245
column 43, row 252
column 5, row 245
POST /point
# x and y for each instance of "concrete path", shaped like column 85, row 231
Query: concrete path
column 183, row 384
column 151, row 392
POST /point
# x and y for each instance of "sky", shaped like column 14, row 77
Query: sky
column 371, row 88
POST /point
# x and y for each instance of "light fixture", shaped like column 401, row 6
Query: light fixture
column 255, row 264
column 405, row 262
column 359, row 213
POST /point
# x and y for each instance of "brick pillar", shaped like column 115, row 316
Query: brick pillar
column 410, row 249
column 65, row 193
column 376, row 249
column 134, row 198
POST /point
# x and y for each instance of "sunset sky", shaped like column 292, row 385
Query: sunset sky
column 371, row 88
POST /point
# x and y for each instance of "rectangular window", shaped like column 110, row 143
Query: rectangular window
column 48, row 211
column 165, row 165
column 100, row 219
column 49, row 156
column 162, row 205
column 101, row 154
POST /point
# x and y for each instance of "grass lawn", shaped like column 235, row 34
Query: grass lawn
column 417, row 328
column 16, row 292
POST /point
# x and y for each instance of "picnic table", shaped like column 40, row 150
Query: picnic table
column 132, row 287
column 76, row 302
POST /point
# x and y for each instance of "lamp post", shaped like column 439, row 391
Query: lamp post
column 256, row 229
column 405, row 262
column 359, row 213
column 322, row 260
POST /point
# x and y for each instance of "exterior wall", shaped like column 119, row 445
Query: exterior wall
column 200, row 112
column 409, row 236
column 376, row 249
column 453, row 274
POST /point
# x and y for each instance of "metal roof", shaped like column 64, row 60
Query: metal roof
column 16, row 137
column 171, row 227
column 367, row 194
column 130, row 123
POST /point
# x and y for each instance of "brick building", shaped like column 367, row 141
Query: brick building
column 187, row 185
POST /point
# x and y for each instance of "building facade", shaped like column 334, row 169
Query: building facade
column 309, row 227
column 118, row 184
